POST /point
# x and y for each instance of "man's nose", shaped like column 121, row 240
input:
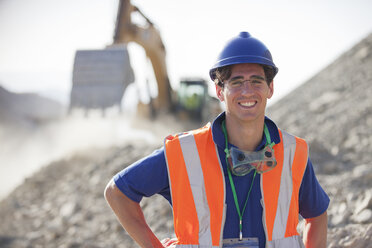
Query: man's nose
column 247, row 88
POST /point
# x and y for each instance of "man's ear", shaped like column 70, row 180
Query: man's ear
column 219, row 93
column 271, row 89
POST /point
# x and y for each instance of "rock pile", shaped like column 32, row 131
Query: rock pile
column 63, row 206
column 333, row 111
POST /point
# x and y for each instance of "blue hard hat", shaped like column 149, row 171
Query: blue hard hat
column 243, row 49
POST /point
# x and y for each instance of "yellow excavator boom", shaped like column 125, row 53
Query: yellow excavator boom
column 149, row 38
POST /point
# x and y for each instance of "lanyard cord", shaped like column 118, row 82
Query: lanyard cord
column 237, row 204
column 268, row 141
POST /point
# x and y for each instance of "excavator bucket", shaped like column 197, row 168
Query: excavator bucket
column 100, row 78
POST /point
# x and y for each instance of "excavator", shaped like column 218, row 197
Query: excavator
column 191, row 101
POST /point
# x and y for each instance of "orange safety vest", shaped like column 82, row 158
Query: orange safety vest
column 198, row 191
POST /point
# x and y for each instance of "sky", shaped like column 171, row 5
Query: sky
column 39, row 38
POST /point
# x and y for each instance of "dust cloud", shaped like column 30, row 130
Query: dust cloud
column 24, row 151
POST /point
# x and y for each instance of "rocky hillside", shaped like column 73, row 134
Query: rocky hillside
column 333, row 111
column 62, row 205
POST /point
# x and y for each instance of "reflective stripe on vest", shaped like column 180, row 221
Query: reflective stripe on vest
column 192, row 177
column 200, row 223
column 280, row 222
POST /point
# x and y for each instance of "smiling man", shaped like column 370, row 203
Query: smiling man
column 240, row 182
column 245, row 95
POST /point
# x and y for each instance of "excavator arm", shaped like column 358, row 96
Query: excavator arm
column 149, row 38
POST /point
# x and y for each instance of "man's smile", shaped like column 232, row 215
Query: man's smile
column 247, row 104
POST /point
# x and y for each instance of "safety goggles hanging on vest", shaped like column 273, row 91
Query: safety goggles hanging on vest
column 250, row 167
column 242, row 162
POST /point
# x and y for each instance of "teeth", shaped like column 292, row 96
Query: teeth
column 247, row 104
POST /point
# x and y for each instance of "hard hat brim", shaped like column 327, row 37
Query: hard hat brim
column 241, row 60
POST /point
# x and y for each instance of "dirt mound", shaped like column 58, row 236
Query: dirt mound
column 63, row 206
column 333, row 111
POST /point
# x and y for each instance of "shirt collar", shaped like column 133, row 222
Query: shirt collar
column 219, row 138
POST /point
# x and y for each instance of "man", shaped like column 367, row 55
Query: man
column 240, row 182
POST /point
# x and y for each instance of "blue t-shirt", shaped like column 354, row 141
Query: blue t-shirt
column 149, row 176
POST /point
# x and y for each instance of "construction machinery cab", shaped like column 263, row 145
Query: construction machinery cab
column 192, row 96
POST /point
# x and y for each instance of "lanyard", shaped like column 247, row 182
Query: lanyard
column 237, row 204
column 240, row 213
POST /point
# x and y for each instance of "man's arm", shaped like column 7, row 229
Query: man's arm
column 315, row 232
column 131, row 217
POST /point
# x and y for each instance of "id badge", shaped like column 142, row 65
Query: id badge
column 244, row 243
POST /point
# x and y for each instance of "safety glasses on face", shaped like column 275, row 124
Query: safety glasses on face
column 238, row 83
column 242, row 162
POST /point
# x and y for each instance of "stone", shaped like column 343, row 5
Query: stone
column 68, row 209
column 337, row 219
column 364, row 202
column 363, row 217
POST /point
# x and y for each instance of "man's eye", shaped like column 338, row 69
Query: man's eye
column 257, row 81
column 236, row 83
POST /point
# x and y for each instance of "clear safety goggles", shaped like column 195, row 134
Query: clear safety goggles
column 243, row 162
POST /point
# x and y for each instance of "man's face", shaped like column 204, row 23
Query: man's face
column 245, row 93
